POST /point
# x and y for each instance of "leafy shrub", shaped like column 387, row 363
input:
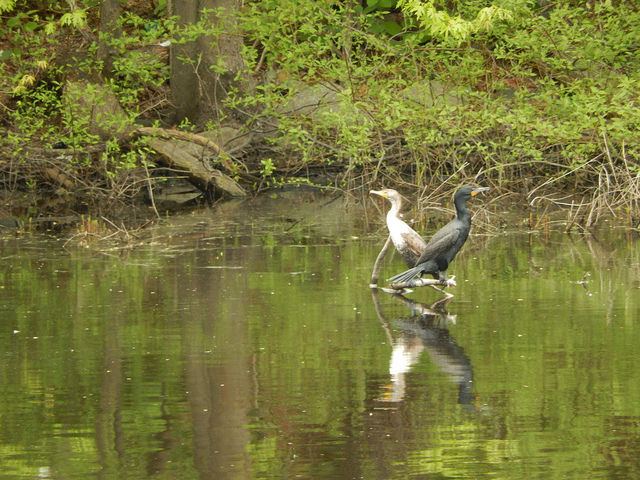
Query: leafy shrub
column 411, row 91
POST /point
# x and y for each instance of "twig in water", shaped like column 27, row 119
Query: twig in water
column 150, row 189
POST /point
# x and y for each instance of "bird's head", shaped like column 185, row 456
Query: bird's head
column 469, row 191
column 380, row 193
column 388, row 193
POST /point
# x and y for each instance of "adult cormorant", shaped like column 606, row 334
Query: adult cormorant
column 407, row 241
column 446, row 242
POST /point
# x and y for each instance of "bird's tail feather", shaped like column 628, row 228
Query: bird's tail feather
column 406, row 275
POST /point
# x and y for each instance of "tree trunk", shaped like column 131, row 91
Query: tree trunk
column 183, row 62
column 198, row 89
column 109, row 14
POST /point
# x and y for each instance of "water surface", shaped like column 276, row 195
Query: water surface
column 243, row 342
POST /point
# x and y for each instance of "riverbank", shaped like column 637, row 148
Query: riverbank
column 538, row 103
column 495, row 212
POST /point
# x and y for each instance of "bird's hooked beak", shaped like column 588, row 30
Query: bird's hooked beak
column 379, row 193
column 477, row 190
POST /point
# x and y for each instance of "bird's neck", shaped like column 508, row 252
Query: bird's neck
column 461, row 211
column 394, row 212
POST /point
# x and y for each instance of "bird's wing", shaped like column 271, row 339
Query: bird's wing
column 441, row 242
column 414, row 242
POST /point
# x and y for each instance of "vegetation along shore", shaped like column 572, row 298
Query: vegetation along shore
column 108, row 105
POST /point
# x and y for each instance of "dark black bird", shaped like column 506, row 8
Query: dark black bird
column 407, row 241
column 445, row 244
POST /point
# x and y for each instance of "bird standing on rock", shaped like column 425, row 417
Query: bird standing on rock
column 445, row 244
column 407, row 241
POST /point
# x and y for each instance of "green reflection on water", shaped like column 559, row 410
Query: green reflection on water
column 228, row 349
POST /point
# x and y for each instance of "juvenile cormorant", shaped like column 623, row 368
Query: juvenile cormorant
column 446, row 242
column 407, row 241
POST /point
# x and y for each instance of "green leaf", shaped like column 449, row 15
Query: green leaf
column 13, row 22
column 50, row 28
column 30, row 26
column 391, row 27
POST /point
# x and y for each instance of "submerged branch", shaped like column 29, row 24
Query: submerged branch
column 377, row 265
column 424, row 282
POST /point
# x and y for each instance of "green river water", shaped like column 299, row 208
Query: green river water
column 243, row 342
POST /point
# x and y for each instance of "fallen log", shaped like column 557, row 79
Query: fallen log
column 209, row 180
column 224, row 157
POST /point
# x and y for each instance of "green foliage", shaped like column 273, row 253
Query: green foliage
column 7, row 5
column 49, row 107
column 440, row 24
column 267, row 167
column 409, row 90
column 524, row 90
column 581, row 80
column 76, row 18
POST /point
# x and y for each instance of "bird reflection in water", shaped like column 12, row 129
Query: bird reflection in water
column 426, row 329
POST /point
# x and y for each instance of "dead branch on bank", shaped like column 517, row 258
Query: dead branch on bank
column 609, row 188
